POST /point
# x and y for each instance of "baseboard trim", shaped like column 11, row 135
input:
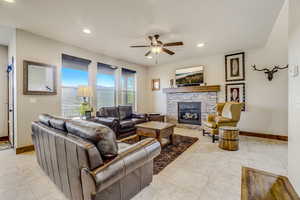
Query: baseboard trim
column 24, row 149
column 4, row 138
column 20, row 150
column 264, row 135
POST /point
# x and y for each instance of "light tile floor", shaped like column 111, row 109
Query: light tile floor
column 203, row 172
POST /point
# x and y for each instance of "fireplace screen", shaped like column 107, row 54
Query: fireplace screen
column 189, row 112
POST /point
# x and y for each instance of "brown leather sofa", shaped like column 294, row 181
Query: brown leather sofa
column 121, row 119
column 85, row 162
column 228, row 114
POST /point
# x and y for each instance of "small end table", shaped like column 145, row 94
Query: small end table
column 158, row 118
column 229, row 138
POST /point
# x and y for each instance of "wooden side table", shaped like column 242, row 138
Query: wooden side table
column 158, row 118
column 229, row 138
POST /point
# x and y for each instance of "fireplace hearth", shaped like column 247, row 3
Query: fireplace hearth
column 189, row 113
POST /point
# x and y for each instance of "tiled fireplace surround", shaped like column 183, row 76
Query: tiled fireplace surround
column 208, row 103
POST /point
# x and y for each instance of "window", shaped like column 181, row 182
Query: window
column 106, row 85
column 128, row 87
column 73, row 74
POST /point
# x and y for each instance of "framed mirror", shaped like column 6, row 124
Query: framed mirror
column 39, row 78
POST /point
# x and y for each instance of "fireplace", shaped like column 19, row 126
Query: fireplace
column 189, row 113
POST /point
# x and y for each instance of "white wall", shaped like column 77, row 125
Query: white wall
column 266, row 101
column 40, row 49
column 3, row 91
column 294, row 96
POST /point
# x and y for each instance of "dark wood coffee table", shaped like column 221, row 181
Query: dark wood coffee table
column 162, row 131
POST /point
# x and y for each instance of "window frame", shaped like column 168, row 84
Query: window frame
column 73, row 61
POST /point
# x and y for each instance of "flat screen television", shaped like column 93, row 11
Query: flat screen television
column 191, row 76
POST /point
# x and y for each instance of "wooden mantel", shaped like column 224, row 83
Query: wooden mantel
column 207, row 88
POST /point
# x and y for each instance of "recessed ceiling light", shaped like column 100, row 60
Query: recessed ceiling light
column 200, row 45
column 149, row 57
column 10, row 1
column 87, row 31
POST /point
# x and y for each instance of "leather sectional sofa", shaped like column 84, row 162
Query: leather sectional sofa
column 86, row 162
column 121, row 119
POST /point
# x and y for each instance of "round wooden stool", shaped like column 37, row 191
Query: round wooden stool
column 229, row 138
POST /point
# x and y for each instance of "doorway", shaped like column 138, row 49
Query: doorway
column 10, row 106
column 6, row 100
column 4, row 128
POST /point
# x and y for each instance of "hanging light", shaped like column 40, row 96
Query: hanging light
column 156, row 49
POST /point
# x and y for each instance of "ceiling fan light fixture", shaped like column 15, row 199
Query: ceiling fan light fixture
column 87, row 31
column 156, row 47
column 156, row 50
column 10, row 1
column 201, row 45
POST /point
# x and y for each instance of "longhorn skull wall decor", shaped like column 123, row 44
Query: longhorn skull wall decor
column 270, row 72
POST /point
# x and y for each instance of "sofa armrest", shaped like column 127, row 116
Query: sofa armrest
column 111, row 122
column 108, row 121
column 136, row 156
column 139, row 115
column 98, row 114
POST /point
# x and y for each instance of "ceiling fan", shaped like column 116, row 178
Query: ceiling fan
column 156, row 46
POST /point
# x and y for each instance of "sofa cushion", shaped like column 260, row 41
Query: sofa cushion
column 102, row 136
column 137, row 121
column 58, row 123
column 86, row 148
column 226, row 112
column 220, row 119
column 108, row 112
column 127, row 123
column 125, row 112
column 45, row 119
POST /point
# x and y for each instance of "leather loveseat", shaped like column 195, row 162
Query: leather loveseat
column 121, row 119
column 85, row 162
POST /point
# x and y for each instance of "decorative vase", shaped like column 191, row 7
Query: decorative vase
column 171, row 83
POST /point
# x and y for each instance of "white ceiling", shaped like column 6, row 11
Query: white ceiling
column 224, row 25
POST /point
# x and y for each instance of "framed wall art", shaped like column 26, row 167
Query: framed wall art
column 155, row 84
column 235, row 67
column 39, row 78
column 236, row 92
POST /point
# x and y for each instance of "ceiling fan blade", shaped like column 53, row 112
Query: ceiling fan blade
column 140, row 46
column 168, row 51
column 156, row 37
column 159, row 42
column 173, row 44
column 148, row 53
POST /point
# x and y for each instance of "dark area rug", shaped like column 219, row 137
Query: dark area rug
column 170, row 152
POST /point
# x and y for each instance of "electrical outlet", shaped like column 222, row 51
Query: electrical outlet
column 294, row 71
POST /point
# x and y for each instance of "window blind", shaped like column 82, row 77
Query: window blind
column 106, row 85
